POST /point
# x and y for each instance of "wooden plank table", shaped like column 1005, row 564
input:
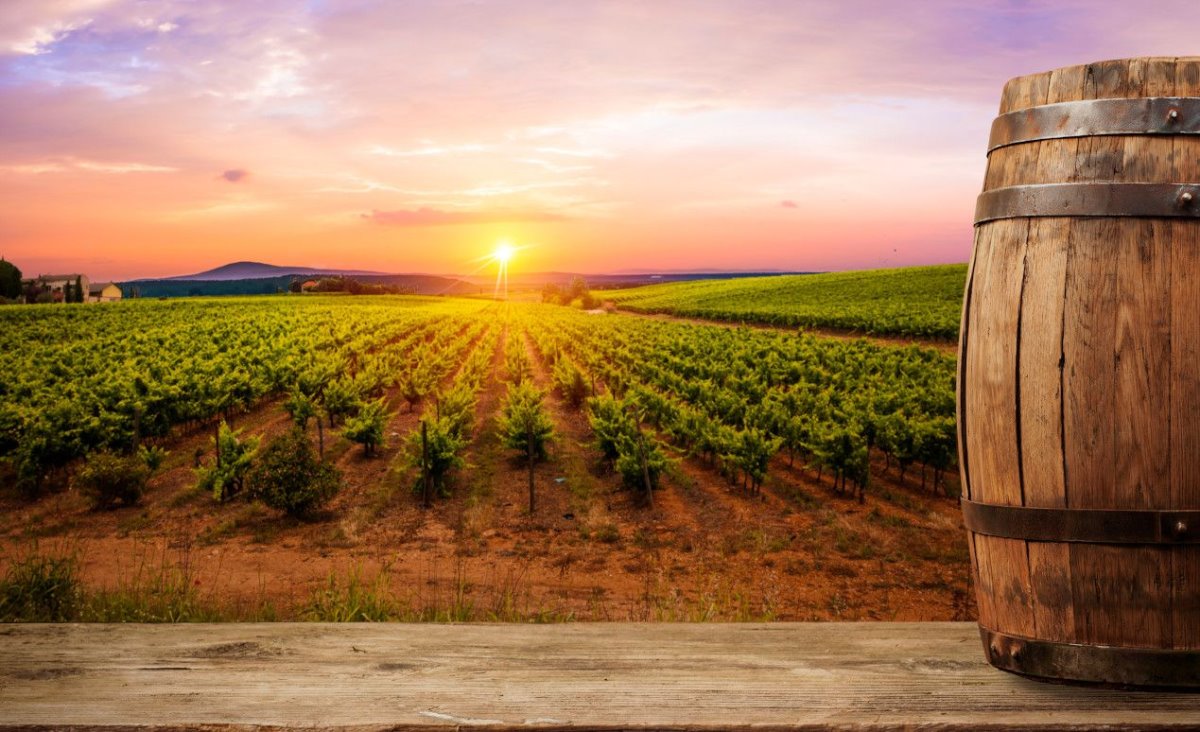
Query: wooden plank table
column 581, row 676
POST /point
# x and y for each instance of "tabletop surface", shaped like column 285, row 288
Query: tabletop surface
column 578, row 676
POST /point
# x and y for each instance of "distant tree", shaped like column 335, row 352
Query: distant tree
column 80, row 295
column 297, row 285
column 67, row 295
column 578, row 288
column 552, row 293
column 10, row 280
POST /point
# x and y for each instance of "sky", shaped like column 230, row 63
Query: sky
column 143, row 138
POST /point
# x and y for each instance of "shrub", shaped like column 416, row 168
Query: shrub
column 107, row 479
column 289, row 477
column 40, row 589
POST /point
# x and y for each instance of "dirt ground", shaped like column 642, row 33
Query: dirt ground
column 590, row 551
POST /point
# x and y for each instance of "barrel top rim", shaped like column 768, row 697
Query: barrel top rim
column 1047, row 72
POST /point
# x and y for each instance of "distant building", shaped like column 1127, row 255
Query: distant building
column 104, row 292
column 56, row 284
column 309, row 286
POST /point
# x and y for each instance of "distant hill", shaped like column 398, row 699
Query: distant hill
column 180, row 287
column 617, row 279
column 259, row 270
column 260, row 278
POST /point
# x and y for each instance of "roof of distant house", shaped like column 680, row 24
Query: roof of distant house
column 56, row 277
column 98, row 287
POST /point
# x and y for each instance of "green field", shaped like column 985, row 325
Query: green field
column 913, row 301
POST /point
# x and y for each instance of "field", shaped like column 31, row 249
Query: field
column 691, row 472
column 924, row 302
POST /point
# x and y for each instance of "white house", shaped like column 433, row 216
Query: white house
column 57, row 283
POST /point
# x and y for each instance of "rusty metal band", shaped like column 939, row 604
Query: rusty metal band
column 1082, row 525
column 1140, row 200
column 1104, row 665
column 1087, row 118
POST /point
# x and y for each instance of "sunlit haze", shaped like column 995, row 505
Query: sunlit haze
column 158, row 138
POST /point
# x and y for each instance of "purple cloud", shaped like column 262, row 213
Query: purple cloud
column 235, row 175
column 436, row 217
column 788, row 204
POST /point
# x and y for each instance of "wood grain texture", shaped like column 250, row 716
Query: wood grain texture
column 850, row 676
column 1107, row 384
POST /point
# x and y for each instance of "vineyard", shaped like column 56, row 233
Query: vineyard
column 923, row 302
column 428, row 429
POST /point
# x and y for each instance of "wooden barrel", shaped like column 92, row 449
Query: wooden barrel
column 1079, row 377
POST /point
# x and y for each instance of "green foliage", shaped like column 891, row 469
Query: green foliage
column 570, row 382
column 107, row 479
column 40, row 588
column 751, row 453
column 340, row 400
column 457, row 407
column 440, row 451
column 178, row 362
column 622, row 442
column 301, row 407
column 735, row 396
column 289, row 477
column 516, row 361
column 367, row 427
column 611, row 424
column 913, row 301
column 415, row 385
column 152, row 456
column 10, row 280
column 226, row 475
column 639, row 459
column 524, row 425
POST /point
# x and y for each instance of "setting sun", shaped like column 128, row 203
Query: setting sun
column 504, row 251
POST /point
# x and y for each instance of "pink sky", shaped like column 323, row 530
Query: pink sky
column 158, row 137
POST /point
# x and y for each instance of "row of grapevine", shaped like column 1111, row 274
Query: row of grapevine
column 913, row 301
column 86, row 379
column 735, row 397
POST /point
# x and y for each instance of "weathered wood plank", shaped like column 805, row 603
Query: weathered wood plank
column 594, row 676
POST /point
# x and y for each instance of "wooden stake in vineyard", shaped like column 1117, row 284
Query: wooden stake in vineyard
column 645, row 469
column 426, row 485
column 529, row 454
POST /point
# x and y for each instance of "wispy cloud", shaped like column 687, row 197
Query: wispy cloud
column 91, row 166
column 438, row 217
column 427, row 150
